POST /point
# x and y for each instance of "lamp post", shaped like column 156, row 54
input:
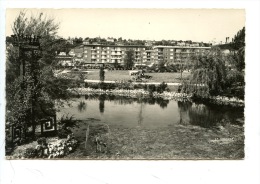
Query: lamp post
column 29, row 53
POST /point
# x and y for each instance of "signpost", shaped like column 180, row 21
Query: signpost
column 29, row 52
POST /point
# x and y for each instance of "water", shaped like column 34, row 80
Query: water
column 149, row 113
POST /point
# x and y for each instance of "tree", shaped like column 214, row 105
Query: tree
column 33, row 93
column 239, row 39
column 116, row 64
column 161, row 66
column 208, row 75
column 102, row 74
column 129, row 59
column 236, row 59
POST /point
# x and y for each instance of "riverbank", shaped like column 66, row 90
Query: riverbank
column 172, row 142
column 220, row 100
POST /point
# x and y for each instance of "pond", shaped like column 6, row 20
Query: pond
column 149, row 112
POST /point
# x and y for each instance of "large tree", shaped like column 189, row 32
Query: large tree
column 239, row 39
column 129, row 59
column 208, row 75
column 101, row 74
column 40, row 87
column 236, row 60
column 238, row 44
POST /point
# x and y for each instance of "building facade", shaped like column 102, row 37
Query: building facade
column 107, row 54
column 176, row 54
column 111, row 54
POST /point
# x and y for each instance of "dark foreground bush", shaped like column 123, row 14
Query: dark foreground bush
column 63, row 133
column 30, row 153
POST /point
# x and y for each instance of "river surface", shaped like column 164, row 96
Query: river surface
column 149, row 113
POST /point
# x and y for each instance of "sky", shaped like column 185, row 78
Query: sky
column 206, row 25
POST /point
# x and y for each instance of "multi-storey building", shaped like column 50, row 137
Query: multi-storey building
column 176, row 54
column 111, row 54
column 149, row 57
column 107, row 54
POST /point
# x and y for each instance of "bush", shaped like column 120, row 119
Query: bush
column 30, row 153
column 138, row 86
column 161, row 88
column 63, row 133
column 151, row 88
column 42, row 141
column 67, row 121
column 102, row 85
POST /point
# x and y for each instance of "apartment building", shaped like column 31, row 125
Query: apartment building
column 149, row 57
column 107, row 54
column 111, row 54
column 176, row 54
column 64, row 60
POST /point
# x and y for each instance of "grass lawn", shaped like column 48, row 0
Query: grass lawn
column 124, row 75
column 173, row 142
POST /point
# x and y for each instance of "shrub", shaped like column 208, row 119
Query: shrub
column 102, row 85
column 30, row 153
column 63, row 133
column 161, row 88
column 151, row 88
column 42, row 141
column 138, row 86
column 67, row 121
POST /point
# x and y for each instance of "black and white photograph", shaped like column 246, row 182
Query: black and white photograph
column 125, row 84
column 111, row 92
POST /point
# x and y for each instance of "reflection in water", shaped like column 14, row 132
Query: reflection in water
column 81, row 106
column 102, row 103
column 140, row 115
column 122, row 100
column 205, row 115
column 162, row 103
column 184, row 107
column 157, row 111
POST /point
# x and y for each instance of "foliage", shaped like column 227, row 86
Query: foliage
column 236, row 61
column 67, row 121
column 208, row 76
column 102, row 74
column 32, row 95
column 63, row 133
column 116, row 65
column 42, row 141
column 129, row 59
column 151, row 88
column 30, row 153
column 161, row 87
column 239, row 39
column 161, row 66
column 65, row 124
column 53, row 148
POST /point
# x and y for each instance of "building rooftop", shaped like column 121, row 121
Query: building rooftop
column 184, row 47
column 98, row 45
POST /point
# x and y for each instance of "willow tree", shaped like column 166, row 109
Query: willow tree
column 208, row 74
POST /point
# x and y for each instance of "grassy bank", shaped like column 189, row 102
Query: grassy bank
column 173, row 142
column 124, row 75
